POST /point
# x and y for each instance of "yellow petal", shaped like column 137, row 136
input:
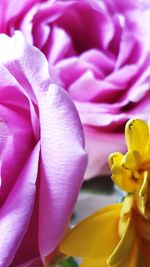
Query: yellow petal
column 125, row 213
column 94, row 237
column 94, row 263
column 146, row 158
column 131, row 160
column 134, row 260
column 136, row 133
column 115, row 159
column 124, row 248
column 141, row 196
column 137, row 257
column 121, row 176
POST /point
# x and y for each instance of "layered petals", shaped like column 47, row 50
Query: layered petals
column 106, row 70
column 94, row 246
column 95, row 239
column 42, row 157
column 129, row 170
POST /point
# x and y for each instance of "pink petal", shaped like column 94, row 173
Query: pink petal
column 88, row 89
column 26, row 63
column 16, row 211
column 63, row 163
column 99, row 145
column 33, row 263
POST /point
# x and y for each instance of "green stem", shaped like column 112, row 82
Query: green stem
column 70, row 262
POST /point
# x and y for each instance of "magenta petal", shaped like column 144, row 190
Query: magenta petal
column 63, row 163
column 26, row 63
column 86, row 89
column 16, row 211
column 99, row 59
column 99, row 145
column 33, row 263
column 123, row 76
column 56, row 50
column 123, row 6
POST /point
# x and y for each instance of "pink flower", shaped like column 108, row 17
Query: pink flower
column 42, row 160
column 100, row 53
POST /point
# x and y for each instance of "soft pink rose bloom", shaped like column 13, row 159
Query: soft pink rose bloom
column 100, row 53
column 42, row 158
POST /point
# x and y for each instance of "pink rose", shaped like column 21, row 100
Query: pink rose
column 100, row 53
column 42, row 160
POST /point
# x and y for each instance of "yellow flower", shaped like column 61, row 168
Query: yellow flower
column 119, row 235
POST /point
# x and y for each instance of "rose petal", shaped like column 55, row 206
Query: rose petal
column 99, row 146
column 56, row 196
column 16, row 211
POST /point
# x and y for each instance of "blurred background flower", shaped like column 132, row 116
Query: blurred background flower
column 99, row 51
column 42, row 157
